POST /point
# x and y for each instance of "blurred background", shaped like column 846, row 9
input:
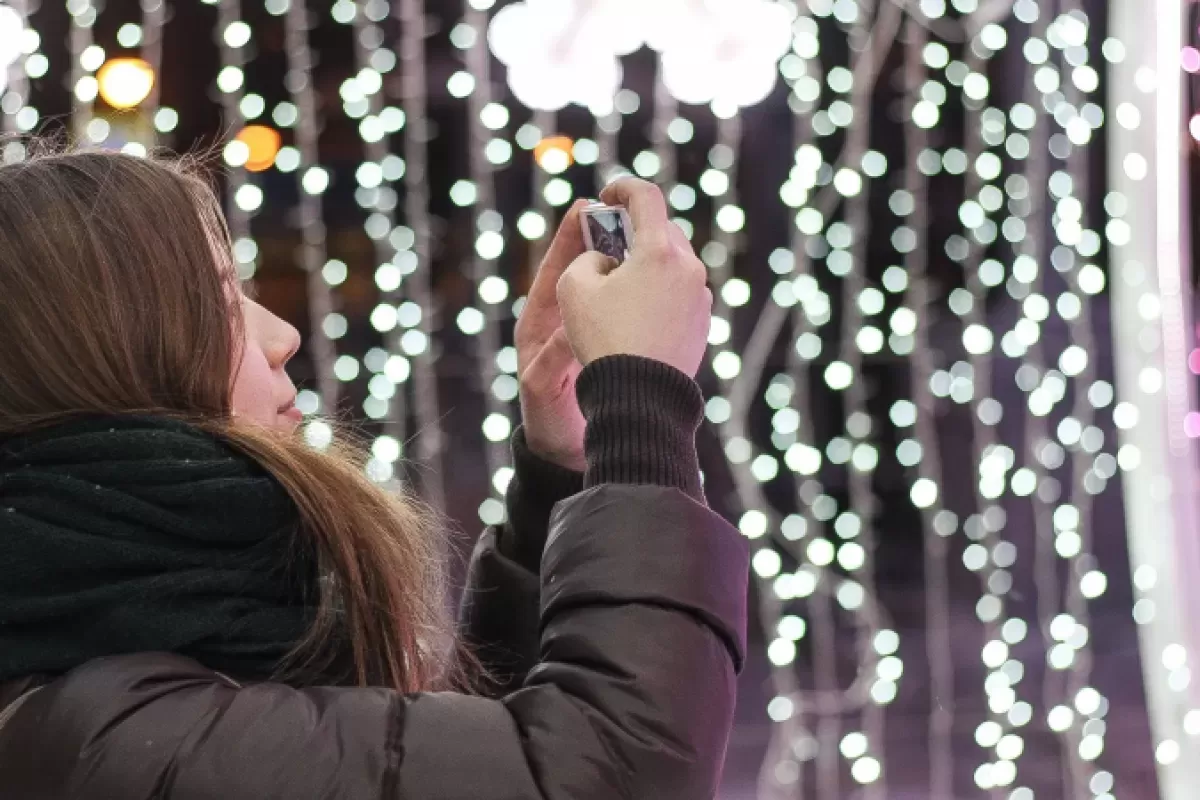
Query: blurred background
column 940, row 382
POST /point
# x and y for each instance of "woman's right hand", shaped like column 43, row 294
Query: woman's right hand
column 656, row 305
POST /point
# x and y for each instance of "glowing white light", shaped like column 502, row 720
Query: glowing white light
column 237, row 34
column 249, row 197
column 853, row 745
column 753, row 524
column 721, row 53
column 781, row 652
column 866, row 770
column 766, row 563
column 92, row 58
column 839, row 375
column 549, row 66
column 497, row 427
column 489, row 245
column 315, row 180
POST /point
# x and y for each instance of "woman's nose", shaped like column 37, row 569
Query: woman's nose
column 286, row 343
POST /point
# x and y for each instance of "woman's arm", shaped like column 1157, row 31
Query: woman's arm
column 626, row 400
column 498, row 616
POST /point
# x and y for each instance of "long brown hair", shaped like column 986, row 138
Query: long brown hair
column 115, row 279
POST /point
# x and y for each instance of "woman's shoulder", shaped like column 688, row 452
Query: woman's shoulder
column 121, row 725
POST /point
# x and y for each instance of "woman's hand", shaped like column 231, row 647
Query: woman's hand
column 547, row 367
column 655, row 305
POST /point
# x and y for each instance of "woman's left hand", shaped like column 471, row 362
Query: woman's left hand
column 547, row 367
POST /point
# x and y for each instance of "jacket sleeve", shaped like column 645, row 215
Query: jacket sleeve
column 642, row 418
column 498, row 616
column 642, row 620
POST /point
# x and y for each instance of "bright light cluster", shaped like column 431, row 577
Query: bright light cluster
column 388, row 368
column 20, row 60
column 13, row 42
column 313, row 179
column 559, row 52
column 481, row 319
column 563, row 51
column 244, row 198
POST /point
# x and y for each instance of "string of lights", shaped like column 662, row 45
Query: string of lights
column 1031, row 211
column 491, row 289
column 20, row 42
column 426, row 404
column 847, row 258
column 364, row 101
column 149, row 35
column 1152, row 314
column 243, row 197
column 86, row 58
column 1152, row 320
column 550, row 160
column 912, row 205
column 810, row 312
column 811, row 581
column 1090, row 465
column 991, row 554
column 313, row 181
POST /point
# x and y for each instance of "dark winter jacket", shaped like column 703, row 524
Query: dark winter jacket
column 611, row 606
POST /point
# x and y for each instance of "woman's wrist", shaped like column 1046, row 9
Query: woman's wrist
column 642, row 417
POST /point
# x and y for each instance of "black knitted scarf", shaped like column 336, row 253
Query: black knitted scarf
column 131, row 534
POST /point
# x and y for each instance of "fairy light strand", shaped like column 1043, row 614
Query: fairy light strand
column 1037, row 436
column 154, row 18
column 482, row 318
column 426, row 403
column 15, row 109
column 986, row 525
column 364, row 101
column 865, row 66
column 83, row 82
column 807, row 318
column 1086, row 580
column 1150, row 255
column 243, row 198
column 936, row 519
column 313, row 180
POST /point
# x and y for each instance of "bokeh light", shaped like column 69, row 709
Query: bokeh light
column 125, row 82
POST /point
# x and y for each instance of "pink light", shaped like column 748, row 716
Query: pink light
column 1190, row 59
column 1194, row 127
column 1194, row 361
column 1191, row 424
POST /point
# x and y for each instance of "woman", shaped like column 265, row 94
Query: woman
column 196, row 604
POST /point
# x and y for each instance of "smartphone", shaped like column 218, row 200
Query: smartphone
column 607, row 230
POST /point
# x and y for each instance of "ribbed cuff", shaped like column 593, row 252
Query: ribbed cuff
column 642, row 417
column 536, row 486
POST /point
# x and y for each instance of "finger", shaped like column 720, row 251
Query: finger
column 590, row 266
column 646, row 206
column 680, row 241
column 566, row 247
column 553, row 370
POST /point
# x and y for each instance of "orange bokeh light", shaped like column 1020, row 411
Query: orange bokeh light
column 263, row 143
column 554, row 153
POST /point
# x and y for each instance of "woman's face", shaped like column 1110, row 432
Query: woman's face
column 262, row 391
